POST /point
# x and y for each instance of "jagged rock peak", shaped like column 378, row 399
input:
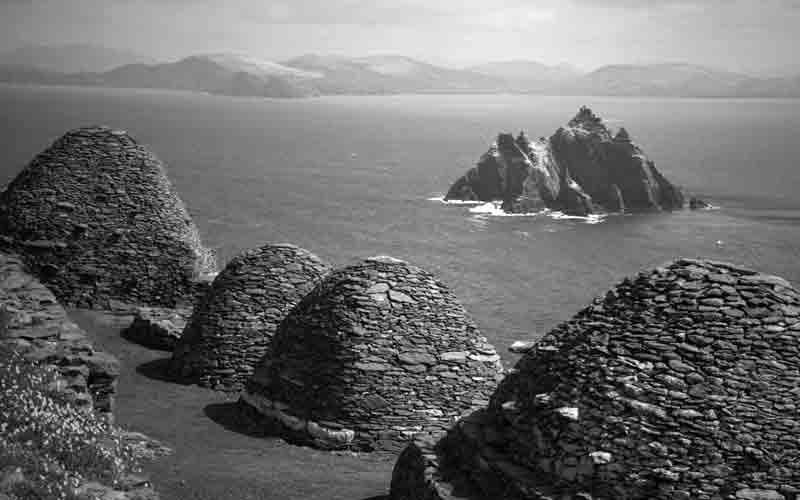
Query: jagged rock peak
column 506, row 141
column 523, row 141
column 579, row 170
column 586, row 118
column 632, row 397
column 622, row 135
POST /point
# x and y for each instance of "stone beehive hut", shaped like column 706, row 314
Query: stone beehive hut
column 231, row 328
column 379, row 351
column 683, row 383
column 95, row 217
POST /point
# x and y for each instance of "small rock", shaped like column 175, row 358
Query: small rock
column 751, row 494
column 454, row 356
column 522, row 346
column 568, row 412
column 396, row 296
column 378, row 288
column 600, row 457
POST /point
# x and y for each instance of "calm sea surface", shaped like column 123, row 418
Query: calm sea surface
column 351, row 177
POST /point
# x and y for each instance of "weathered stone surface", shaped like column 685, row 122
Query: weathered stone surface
column 144, row 446
column 232, row 326
column 671, row 403
column 130, row 487
column 96, row 219
column 749, row 494
column 521, row 346
column 581, row 169
column 32, row 321
column 346, row 371
column 696, row 203
column 156, row 327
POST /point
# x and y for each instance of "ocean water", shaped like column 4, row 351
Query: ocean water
column 351, row 177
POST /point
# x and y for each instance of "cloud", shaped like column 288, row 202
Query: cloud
column 763, row 5
column 397, row 12
column 636, row 4
column 348, row 12
column 731, row 33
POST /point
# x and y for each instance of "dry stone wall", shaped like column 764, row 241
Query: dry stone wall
column 33, row 323
column 682, row 383
column 378, row 352
column 231, row 328
column 96, row 219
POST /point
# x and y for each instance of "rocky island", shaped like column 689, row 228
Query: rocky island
column 581, row 169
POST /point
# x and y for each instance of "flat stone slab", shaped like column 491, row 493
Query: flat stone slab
column 157, row 328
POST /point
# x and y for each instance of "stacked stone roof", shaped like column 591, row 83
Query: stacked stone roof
column 681, row 383
column 232, row 326
column 96, row 219
column 378, row 352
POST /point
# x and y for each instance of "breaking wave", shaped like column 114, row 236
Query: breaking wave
column 441, row 199
column 493, row 209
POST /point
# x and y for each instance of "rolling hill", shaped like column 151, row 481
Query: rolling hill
column 390, row 75
column 226, row 75
column 678, row 80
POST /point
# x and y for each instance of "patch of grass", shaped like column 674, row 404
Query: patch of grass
column 48, row 447
column 216, row 457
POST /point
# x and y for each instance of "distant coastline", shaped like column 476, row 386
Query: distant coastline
column 315, row 75
column 398, row 94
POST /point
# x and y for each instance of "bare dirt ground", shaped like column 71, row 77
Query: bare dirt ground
column 217, row 456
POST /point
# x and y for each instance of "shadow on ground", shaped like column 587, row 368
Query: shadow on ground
column 231, row 417
column 154, row 343
column 157, row 369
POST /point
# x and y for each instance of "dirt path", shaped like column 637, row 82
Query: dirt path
column 215, row 459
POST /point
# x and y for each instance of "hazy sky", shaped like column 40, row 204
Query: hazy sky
column 745, row 35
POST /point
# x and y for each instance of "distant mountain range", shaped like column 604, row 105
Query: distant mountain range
column 75, row 58
column 679, row 80
column 390, row 75
column 313, row 75
column 215, row 74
